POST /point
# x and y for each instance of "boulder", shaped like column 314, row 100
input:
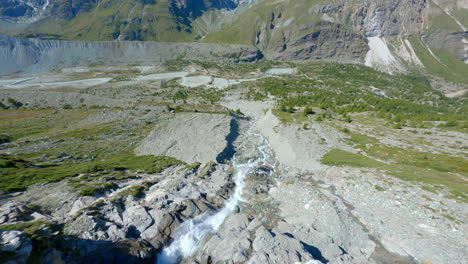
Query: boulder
column 138, row 217
column 15, row 246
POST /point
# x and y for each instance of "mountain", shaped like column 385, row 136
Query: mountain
column 388, row 35
column 392, row 36
column 160, row 20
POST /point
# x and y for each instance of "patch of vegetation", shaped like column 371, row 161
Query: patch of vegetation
column 290, row 116
column 20, row 124
column 444, row 65
column 135, row 191
column 27, row 227
column 193, row 166
column 256, row 95
column 437, row 162
column 92, row 190
column 41, row 234
column 4, row 138
column 379, row 188
column 337, row 157
column 342, row 89
column 138, row 191
column 425, row 168
column 17, row 174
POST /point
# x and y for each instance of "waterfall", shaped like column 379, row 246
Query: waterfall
column 191, row 233
column 45, row 5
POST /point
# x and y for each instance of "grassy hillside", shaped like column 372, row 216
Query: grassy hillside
column 285, row 16
column 110, row 20
column 441, row 62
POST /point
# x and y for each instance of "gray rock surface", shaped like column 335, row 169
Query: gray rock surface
column 15, row 211
column 232, row 244
column 190, row 137
column 16, row 243
column 274, row 247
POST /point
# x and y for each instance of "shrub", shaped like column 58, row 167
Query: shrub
column 397, row 126
column 4, row 138
column 308, row 111
column 14, row 103
column 451, row 123
column 67, row 106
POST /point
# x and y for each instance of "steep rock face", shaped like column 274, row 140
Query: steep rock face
column 45, row 55
column 20, row 9
column 194, row 8
column 336, row 29
column 68, row 9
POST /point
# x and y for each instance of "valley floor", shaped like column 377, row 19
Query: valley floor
column 115, row 164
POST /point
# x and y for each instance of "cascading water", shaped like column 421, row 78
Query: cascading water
column 191, row 233
column 46, row 4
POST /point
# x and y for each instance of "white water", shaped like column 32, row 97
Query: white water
column 45, row 5
column 189, row 235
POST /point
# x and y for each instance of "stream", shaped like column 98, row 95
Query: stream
column 190, row 235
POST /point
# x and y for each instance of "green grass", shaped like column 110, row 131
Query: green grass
column 135, row 191
column 436, row 162
column 429, row 169
column 193, row 166
column 134, row 20
column 244, row 30
column 290, row 118
column 28, row 227
column 445, row 65
column 337, row 157
column 96, row 189
column 19, row 124
column 342, row 89
column 17, row 174
column 93, row 154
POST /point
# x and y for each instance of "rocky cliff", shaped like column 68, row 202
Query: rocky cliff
column 392, row 36
column 44, row 55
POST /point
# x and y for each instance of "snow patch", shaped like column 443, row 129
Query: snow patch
column 380, row 56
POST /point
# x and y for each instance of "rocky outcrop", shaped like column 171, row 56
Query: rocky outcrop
column 35, row 56
column 338, row 29
column 15, row 247
column 189, row 137
column 17, row 212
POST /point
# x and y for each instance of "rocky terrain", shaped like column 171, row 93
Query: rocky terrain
column 41, row 56
column 202, row 162
column 233, row 131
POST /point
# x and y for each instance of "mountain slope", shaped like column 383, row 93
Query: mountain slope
column 393, row 36
column 162, row 20
column 427, row 36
